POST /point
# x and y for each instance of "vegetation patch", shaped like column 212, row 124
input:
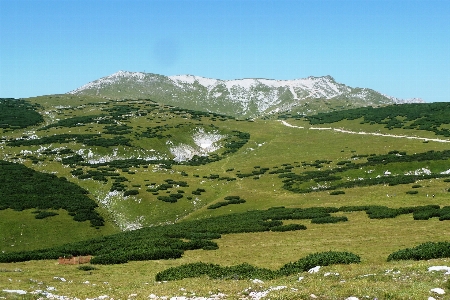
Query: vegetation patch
column 425, row 251
column 423, row 116
column 42, row 214
column 337, row 192
column 87, row 268
column 247, row 271
column 319, row 259
column 332, row 179
column 15, row 114
column 170, row 241
column 24, row 188
column 229, row 200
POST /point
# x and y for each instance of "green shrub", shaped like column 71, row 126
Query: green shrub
column 130, row 193
column 213, row 271
column 337, row 193
column 381, row 212
column 329, row 219
column 42, row 214
column 424, row 251
column 412, row 192
column 218, row 204
column 232, row 198
column 319, row 259
column 426, row 212
column 87, row 268
column 289, row 227
column 353, row 208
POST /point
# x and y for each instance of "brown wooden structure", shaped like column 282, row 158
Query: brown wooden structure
column 74, row 260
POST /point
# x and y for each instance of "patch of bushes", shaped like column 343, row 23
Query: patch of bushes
column 319, row 259
column 309, row 181
column 86, row 139
column 214, row 271
column 131, row 193
column 337, row 193
column 288, row 227
column 425, row 251
column 247, row 271
column 172, row 198
column 24, row 188
column 75, row 121
column 18, row 113
column 229, row 200
column 329, row 219
column 423, row 116
column 141, row 244
column 87, row 268
column 42, row 214
column 198, row 191
column 412, row 192
column 197, row 234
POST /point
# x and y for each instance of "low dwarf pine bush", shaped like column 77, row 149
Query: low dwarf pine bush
column 213, row 271
column 381, row 212
column 42, row 214
column 319, row 259
column 412, row 192
column 337, row 193
column 329, row 219
column 87, row 268
column 289, row 227
column 424, row 251
column 246, row 271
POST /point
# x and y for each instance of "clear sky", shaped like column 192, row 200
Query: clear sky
column 398, row 47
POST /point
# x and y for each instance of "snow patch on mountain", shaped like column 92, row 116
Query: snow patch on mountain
column 403, row 101
column 204, row 143
column 180, row 80
column 316, row 87
column 248, row 97
column 111, row 79
column 117, row 154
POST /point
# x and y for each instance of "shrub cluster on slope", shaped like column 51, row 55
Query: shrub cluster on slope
column 424, row 251
column 423, row 116
column 229, row 200
column 15, row 113
column 170, row 241
column 87, row 139
column 23, row 188
column 301, row 183
column 246, row 271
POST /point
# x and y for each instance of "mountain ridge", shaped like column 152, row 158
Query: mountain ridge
column 247, row 97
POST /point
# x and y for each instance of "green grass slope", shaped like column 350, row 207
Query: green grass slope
column 376, row 188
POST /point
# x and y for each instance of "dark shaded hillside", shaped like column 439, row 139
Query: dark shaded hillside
column 23, row 188
column 15, row 113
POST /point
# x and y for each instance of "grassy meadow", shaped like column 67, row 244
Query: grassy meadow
column 256, row 170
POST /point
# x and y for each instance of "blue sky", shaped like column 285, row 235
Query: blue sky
column 397, row 47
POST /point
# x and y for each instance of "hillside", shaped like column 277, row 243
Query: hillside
column 168, row 182
column 247, row 98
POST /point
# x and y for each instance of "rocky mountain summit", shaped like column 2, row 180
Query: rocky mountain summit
column 250, row 97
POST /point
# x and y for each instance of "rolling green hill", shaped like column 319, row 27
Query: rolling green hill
column 133, row 180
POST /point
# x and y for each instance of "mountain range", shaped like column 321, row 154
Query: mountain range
column 248, row 98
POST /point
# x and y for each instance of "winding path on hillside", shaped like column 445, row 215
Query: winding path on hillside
column 366, row 133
